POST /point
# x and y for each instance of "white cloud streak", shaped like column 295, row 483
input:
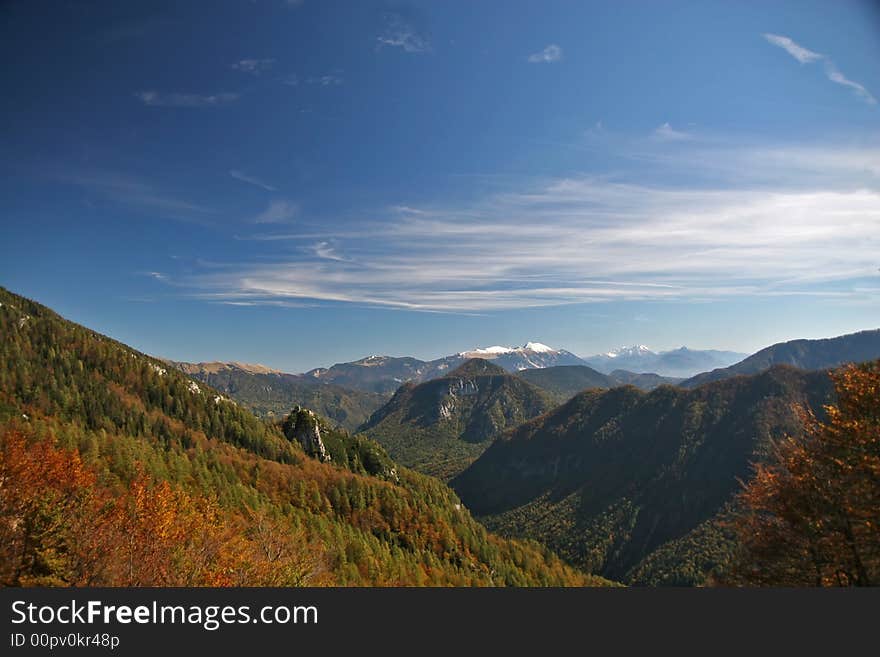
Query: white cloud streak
column 833, row 74
column 326, row 251
column 399, row 33
column 251, row 180
column 666, row 132
column 806, row 56
column 158, row 99
column 587, row 240
column 550, row 54
column 253, row 66
column 803, row 55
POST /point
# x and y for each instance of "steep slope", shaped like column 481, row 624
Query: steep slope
column 565, row 381
column 682, row 362
column 612, row 476
column 440, row 426
column 805, row 354
column 100, row 443
column 270, row 393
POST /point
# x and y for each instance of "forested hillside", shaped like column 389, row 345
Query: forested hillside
column 272, row 394
column 440, row 426
column 119, row 470
column 565, row 381
column 631, row 484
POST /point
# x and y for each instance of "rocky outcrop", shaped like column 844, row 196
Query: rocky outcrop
column 302, row 426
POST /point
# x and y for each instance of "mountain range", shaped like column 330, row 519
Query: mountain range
column 383, row 374
column 820, row 354
column 272, row 394
column 682, row 362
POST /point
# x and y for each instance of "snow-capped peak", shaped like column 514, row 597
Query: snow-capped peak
column 537, row 347
column 498, row 350
column 635, row 350
column 494, row 351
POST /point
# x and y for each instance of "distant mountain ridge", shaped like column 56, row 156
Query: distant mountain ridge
column 214, row 367
column 681, row 362
column 384, row 374
column 820, row 354
column 272, row 394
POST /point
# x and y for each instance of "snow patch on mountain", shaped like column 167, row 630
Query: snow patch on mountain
column 498, row 350
column 635, row 350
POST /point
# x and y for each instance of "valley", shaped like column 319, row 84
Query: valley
column 626, row 477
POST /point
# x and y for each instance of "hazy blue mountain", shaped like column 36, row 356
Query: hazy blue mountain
column 805, row 354
column 681, row 363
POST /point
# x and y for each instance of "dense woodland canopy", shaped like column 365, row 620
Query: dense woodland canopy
column 118, row 470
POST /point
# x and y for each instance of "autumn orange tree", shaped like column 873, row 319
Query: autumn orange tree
column 59, row 527
column 811, row 516
column 46, row 498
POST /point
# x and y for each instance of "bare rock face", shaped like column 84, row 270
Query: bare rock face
column 302, row 425
column 463, row 387
column 457, row 388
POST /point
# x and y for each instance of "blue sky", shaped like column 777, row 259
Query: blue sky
column 302, row 183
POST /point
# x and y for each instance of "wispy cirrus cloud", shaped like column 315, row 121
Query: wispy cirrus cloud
column 251, row 180
column 806, row 56
column 803, row 55
column 159, row 99
column 327, row 251
column 552, row 53
column 585, row 239
column 666, row 132
column 253, row 66
column 837, row 77
column 279, row 211
column 134, row 192
column 328, row 80
column 401, row 33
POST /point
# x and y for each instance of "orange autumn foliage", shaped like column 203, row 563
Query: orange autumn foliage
column 812, row 516
column 60, row 527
